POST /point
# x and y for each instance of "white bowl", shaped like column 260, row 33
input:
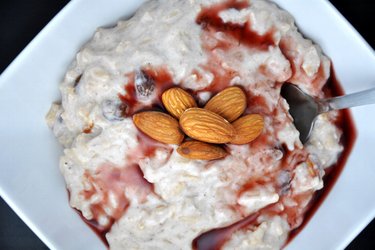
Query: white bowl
column 30, row 181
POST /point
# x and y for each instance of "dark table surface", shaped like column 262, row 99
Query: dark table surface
column 21, row 20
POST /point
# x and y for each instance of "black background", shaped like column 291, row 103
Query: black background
column 21, row 20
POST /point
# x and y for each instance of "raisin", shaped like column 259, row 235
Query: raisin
column 284, row 179
column 114, row 110
column 144, row 83
column 77, row 80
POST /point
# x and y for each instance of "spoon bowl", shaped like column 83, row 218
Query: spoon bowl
column 304, row 109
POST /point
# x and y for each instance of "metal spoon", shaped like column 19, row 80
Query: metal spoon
column 304, row 109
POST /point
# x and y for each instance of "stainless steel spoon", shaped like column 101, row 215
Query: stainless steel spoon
column 304, row 109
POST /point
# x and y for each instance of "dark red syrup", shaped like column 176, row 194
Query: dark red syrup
column 210, row 20
column 235, row 35
column 216, row 238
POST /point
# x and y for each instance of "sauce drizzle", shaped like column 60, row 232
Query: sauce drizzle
column 216, row 238
column 211, row 21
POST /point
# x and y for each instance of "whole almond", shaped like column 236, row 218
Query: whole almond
column 159, row 126
column 248, row 128
column 198, row 150
column 204, row 125
column 177, row 100
column 229, row 103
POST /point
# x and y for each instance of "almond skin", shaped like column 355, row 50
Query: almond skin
column 177, row 100
column 230, row 103
column 206, row 126
column 198, row 150
column 248, row 128
column 159, row 126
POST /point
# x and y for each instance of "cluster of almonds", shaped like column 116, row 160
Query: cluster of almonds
column 219, row 122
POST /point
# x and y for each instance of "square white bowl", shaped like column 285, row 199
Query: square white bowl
column 30, row 181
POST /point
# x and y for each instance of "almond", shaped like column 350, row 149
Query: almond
column 159, row 126
column 204, row 125
column 177, row 100
column 198, row 150
column 229, row 103
column 247, row 128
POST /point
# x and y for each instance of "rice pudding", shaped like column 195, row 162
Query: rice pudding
column 142, row 193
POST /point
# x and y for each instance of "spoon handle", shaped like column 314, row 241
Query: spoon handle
column 348, row 101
